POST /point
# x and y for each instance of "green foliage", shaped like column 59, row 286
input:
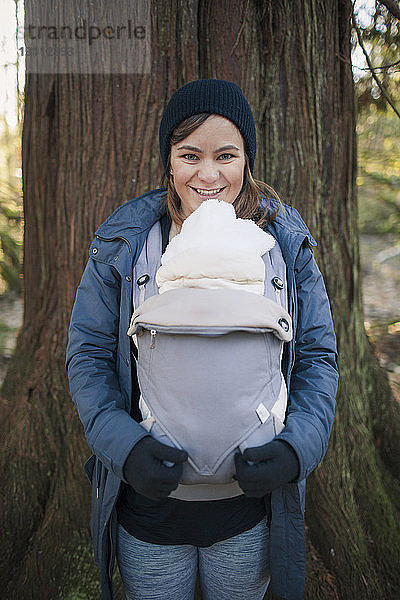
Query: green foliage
column 82, row 576
column 11, row 221
column 378, row 180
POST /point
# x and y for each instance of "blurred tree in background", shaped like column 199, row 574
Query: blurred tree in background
column 376, row 32
column 377, row 28
column 378, row 181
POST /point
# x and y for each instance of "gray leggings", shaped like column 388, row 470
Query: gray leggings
column 234, row 569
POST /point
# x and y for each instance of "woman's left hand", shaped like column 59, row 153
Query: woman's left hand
column 262, row 469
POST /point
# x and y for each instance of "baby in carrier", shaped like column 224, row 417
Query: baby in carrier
column 215, row 250
column 210, row 342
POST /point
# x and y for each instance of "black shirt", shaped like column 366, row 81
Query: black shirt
column 172, row 521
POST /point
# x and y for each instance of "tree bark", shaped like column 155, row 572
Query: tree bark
column 90, row 142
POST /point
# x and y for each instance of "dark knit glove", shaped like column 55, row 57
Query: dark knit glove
column 262, row 469
column 154, row 469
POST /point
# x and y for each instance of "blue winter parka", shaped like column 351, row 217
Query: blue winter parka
column 100, row 377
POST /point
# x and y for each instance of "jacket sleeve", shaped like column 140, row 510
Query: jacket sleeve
column 92, row 368
column 314, row 377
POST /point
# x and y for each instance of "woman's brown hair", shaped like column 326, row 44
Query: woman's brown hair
column 247, row 203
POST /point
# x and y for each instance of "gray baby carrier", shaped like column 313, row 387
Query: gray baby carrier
column 209, row 369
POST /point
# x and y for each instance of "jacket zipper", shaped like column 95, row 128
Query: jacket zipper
column 294, row 316
column 153, row 334
column 292, row 342
column 111, row 550
column 97, row 479
column 118, row 237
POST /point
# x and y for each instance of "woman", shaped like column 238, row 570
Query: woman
column 208, row 147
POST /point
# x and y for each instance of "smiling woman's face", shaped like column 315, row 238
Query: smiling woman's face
column 208, row 163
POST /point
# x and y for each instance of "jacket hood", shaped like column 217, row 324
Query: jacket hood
column 289, row 218
column 289, row 229
column 135, row 216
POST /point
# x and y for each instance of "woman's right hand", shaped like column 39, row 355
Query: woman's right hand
column 147, row 468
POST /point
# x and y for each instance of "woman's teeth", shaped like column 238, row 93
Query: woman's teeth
column 208, row 192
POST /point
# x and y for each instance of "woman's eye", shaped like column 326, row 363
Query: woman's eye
column 226, row 156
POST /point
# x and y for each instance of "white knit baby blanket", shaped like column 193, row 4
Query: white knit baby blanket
column 215, row 249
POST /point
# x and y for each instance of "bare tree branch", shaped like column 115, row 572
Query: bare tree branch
column 382, row 68
column 379, row 84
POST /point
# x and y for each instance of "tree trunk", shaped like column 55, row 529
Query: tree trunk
column 89, row 144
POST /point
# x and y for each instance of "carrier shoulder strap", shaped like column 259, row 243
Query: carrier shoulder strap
column 147, row 265
column 275, row 286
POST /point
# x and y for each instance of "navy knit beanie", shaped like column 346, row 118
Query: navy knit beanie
column 214, row 96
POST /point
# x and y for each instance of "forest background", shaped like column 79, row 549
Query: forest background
column 378, row 183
